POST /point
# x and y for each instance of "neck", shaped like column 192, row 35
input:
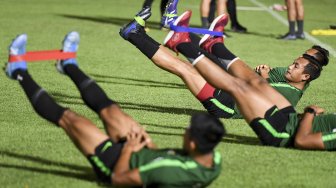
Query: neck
column 299, row 85
column 203, row 159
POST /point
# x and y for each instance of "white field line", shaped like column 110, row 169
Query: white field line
column 250, row 8
column 285, row 22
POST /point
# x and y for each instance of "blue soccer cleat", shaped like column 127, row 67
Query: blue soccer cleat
column 136, row 25
column 70, row 44
column 170, row 14
column 17, row 47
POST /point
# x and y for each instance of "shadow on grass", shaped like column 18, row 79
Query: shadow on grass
column 84, row 173
column 76, row 100
column 113, row 20
column 149, row 83
column 258, row 34
column 228, row 138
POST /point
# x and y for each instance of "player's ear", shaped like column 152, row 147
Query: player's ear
column 305, row 77
column 192, row 145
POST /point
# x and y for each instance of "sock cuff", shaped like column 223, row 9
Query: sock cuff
column 197, row 60
column 206, row 92
column 231, row 62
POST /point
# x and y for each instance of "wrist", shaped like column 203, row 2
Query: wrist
column 310, row 110
column 127, row 150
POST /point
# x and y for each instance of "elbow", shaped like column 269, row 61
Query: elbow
column 116, row 180
column 299, row 142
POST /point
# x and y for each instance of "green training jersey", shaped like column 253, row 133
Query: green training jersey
column 325, row 123
column 278, row 81
column 173, row 168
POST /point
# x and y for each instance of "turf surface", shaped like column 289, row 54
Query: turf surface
column 33, row 153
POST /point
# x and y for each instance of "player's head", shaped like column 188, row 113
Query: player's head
column 203, row 134
column 308, row 66
column 317, row 57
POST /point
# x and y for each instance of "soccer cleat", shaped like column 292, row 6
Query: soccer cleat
column 287, row 36
column 170, row 14
column 17, row 47
column 238, row 28
column 70, row 44
column 218, row 25
column 175, row 38
column 300, row 36
column 136, row 25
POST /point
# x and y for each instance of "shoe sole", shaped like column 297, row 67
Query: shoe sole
column 171, row 33
column 211, row 28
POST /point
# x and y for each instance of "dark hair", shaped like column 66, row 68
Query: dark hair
column 316, row 62
column 207, row 131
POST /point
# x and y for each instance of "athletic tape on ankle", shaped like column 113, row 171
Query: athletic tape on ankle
column 234, row 60
column 195, row 30
column 42, row 56
column 197, row 60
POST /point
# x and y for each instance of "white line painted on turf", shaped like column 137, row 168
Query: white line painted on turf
column 285, row 22
column 250, row 8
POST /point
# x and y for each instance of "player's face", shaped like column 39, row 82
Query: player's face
column 295, row 70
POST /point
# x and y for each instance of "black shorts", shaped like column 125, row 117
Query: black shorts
column 271, row 129
column 105, row 158
column 221, row 105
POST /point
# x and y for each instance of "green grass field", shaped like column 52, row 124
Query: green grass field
column 34, row 153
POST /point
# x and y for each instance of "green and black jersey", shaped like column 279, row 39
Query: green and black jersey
column 173, row 168
column 326, row 124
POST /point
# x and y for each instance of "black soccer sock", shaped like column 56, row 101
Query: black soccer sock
column 221, row 51
column 189, row 50
column 300, row 26
column 223, row 54
column 205, row 22
column 147, row 3
column 212, row 11
column 144, row 43
column 232, row 10
column 42, row 103
column 91, row 93
column 291, row 27
column 163, row 6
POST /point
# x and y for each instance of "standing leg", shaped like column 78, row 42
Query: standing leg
column 163, row 6
column 291, row 14
column 232, row 10
column 147, row 3
column 299, row 19
column 204, row 11
column 212, row 11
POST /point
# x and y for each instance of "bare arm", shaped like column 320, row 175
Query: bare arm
column 305, row 138
column 122, row 174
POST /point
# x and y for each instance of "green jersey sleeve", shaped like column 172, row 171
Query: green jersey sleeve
column 277, row 74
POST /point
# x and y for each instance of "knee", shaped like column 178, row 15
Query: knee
column 239, row 86
column 68, row 118
column 257, row 81
column 185, row 70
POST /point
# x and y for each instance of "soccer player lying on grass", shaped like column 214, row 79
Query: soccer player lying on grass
column 126, row 155
column 268, row 113
column 216, row 101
